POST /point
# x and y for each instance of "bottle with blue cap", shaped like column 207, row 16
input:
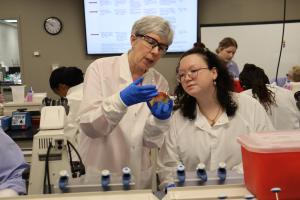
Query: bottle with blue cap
column 222, row 172
column 126, row 178
column 63, row 180
column 181, row 173
column 105, row 178
column 201, row 172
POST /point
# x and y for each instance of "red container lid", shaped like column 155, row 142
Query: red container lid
column 271, row 142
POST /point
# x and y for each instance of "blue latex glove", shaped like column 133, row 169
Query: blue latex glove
column 161, row 110
column 137, row 93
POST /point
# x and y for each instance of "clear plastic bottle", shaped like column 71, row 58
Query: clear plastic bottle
column 29, row 95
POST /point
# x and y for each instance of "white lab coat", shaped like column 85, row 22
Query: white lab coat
column 195, row 141
column 115, row 135
column 285, row 114
column 71, row 129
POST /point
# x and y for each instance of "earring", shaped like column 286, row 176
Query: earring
column 215, row 83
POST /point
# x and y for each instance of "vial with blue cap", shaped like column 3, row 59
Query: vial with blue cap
column 201, row 172
column 63, row 180
column 222, row 172
column 181, row 173
column 105, row 179
column 126, row 178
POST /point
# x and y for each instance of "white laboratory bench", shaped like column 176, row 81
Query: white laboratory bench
column 9, row 107
column 118, row 195
column 207, row 192
column 237, row 192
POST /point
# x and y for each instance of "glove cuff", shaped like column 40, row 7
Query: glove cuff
column 121, row 101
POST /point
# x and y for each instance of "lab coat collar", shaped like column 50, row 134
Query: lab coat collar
column 75, row 88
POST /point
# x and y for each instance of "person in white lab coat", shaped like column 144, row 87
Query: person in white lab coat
column 67, row 82
column 208, row 118
column 119, row 127
column 279, row 102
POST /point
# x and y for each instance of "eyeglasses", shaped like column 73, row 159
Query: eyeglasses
column 152, row 43
column 192, row 74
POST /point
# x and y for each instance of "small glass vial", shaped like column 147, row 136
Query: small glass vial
column 181, row 173
column 105, row 178
column 222, row 171
column 63, row 180
column 126, row 178
column 201, row 172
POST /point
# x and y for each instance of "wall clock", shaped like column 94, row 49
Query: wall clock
column 53, row 25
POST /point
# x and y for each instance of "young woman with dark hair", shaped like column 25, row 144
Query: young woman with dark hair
column 208, row 118
column 278, row 102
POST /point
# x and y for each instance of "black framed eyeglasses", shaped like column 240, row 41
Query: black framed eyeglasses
column 154, row 43
column 191, row 73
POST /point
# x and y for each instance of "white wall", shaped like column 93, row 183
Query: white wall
column 259, row 45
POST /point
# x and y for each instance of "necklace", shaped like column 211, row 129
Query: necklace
column 213, row 121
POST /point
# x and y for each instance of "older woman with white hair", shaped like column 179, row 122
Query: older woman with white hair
column 119, row 126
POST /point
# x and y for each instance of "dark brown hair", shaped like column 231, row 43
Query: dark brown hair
column 253, row 77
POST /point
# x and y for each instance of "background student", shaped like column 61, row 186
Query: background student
column 67, row 82
column 278, row 102
column 226, row 51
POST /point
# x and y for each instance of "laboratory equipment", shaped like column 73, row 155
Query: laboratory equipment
column 5, row 122
column 185, row 178
column 181, row 174
column 126, row 178
column 105, row 179
column 21, row 120
column 221, row 172
column 52, row 170
column 63, row 180
column 201, row 172
column 272, row 160
column 49, row 151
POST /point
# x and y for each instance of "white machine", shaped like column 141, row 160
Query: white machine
column 49, row 151
column 52, row 169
